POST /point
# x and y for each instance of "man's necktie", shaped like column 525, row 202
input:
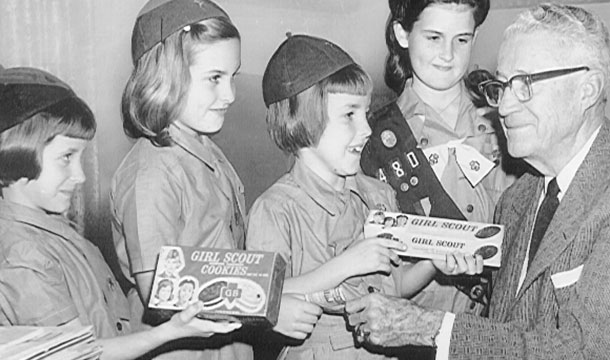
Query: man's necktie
column 545, row 214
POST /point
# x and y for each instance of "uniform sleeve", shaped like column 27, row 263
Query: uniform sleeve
column 152, row 216
column 269, row 228
column 33, row 289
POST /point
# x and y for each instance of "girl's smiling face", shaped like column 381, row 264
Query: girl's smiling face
column 61, row 173
column 440, row 44
column 212, row 87
column 338, row 151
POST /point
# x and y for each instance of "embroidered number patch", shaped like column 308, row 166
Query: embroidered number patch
column 397, row 168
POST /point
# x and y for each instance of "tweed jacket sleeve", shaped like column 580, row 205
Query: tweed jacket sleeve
column 562, row 309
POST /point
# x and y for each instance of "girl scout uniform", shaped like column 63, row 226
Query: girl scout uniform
column 185, row 194
column 309, row 223
column 50, row 275
column 438, row 171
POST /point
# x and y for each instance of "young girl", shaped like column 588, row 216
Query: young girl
column 175, row 186
column 49, row 274
column 430, row 145
column 317, row 100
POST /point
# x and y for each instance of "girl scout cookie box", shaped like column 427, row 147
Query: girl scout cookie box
column 432, row 238
column 232, row 284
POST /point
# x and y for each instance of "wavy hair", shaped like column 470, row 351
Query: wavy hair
column 155, row 94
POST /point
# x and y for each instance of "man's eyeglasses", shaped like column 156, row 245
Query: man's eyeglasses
column 521, row 85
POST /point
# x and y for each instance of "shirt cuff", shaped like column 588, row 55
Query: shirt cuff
column 443, row 338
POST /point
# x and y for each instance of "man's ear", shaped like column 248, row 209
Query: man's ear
column 592, row 88
column 402, row 36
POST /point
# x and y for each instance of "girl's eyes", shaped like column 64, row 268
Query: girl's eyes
column 66, row 158
column 463, row 40
column 433, row 38
column 215, row 78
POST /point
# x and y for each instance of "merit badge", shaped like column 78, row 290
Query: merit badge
column 475, row 165
column 433, row 159
column 388, row 138
column 414, row 181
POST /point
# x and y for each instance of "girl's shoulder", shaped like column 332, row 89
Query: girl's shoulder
column 376, row 193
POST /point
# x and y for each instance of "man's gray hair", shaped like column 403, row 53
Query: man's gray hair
column 583, row 33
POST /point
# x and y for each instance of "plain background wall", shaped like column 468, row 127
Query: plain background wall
column 356, row 25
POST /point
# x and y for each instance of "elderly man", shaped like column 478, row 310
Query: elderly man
column 551, row 297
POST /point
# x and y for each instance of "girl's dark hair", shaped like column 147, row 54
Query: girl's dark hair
column 406, row 12
column 155, row 93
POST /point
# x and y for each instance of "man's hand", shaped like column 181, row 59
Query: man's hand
column 297, row 317
column 390, row 321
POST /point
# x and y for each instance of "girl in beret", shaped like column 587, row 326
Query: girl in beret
column 175, row 186
column 49, row 274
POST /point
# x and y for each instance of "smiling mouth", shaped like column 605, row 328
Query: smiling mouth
column 443, row 67
column 356, row 149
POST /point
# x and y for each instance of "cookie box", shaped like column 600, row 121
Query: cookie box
column 232, row 284
column 432, row 238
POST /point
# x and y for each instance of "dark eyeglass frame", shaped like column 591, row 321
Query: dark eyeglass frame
column 527, row 79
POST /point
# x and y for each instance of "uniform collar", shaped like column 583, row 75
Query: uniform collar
column 56, row 224
column 416, row 112
column 329, row 199
column 197, row 145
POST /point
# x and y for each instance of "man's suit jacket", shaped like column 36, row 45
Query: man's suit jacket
column 566, row 320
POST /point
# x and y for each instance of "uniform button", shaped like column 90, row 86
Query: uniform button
column 119, row 326
column 414, row 181
column 482, row 127
column 470, row 208
column 404, row 187
column 423, row 141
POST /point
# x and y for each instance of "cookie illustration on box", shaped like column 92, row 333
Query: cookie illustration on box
column 387, row 236
column 244, row 294
column 487, row 251
column 210, row 293
column 487, row 232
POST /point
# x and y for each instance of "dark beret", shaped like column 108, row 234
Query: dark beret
column 158, row 19
column 300, row 62
column 24, row 92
